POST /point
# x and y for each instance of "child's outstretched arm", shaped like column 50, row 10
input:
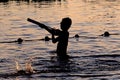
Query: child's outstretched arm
column 49, row 29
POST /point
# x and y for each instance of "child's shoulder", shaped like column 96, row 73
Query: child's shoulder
column 57, row 31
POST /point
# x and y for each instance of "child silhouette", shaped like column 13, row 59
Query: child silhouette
column 62, row 38
column 62, row 35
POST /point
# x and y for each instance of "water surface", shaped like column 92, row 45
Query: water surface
column 93, row 57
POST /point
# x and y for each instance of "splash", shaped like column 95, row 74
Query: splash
column 17, row 66
column 28, row 67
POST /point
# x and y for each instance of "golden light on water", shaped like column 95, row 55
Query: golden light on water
column 91, row 54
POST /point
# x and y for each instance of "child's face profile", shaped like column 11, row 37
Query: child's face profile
column 65, row 24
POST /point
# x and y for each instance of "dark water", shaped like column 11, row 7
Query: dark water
column 92, row 57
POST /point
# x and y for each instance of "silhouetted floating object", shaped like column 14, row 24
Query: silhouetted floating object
column 19, row 40
column 106, row 34
column 77, row 36
column 47, row 38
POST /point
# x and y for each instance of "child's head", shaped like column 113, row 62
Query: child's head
column 66, row 23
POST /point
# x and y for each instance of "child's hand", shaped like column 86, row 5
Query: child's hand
column 53, row 38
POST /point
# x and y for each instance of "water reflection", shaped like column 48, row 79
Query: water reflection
column 98, row 1
column 91, row 57
column 46, row 0
column 49, row 1
column 37, row 3
column 31, row 0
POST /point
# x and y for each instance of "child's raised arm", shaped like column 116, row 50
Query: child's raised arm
column 49, row 29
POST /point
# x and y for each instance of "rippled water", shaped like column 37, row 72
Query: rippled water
column 93, row 57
